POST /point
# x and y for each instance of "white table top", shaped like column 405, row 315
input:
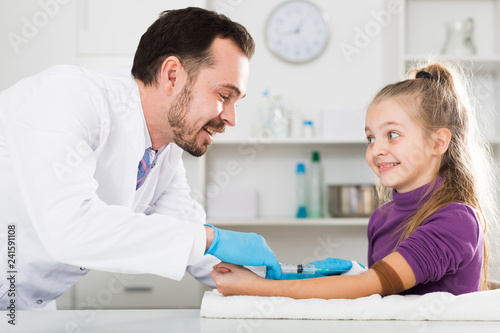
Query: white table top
column 187, row 321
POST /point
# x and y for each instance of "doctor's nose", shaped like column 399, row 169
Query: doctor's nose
column 228, row 115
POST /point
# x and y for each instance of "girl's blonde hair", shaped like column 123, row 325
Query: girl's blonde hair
column 436, row 96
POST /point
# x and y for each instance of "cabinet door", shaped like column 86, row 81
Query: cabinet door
column 35, row 35
column 430, row 38
column 116, row 26
column 103, row 290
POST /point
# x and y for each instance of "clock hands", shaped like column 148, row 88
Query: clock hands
column 295, row 31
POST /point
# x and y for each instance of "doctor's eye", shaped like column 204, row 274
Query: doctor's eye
column 393, row 135
column 224, row 98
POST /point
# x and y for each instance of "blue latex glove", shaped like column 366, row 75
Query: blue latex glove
column 326, row 267
column 243, row 248
column 331, row 266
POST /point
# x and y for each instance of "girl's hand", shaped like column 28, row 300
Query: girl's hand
column 236, row 280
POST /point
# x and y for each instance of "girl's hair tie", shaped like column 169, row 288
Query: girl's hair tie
column 424, row 75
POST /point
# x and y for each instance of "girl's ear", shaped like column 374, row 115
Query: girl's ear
column 442, row 139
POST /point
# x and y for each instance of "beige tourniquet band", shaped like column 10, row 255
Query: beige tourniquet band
column 390, row 280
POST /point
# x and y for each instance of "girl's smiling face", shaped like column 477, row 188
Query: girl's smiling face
column 399, row 152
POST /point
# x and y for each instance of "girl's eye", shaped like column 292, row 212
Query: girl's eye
column 393, row 135
column 370, row 140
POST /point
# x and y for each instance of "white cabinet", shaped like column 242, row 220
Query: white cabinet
column 35, row 35
column 268, row 168
column 103, row 290
column 424, row 28
column 422, row 33
column 114, row 27
column 108, row 31
column 331, row 84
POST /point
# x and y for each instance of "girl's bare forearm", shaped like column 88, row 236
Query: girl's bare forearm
column 326, row 287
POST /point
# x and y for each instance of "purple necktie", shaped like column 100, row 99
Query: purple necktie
column 144, row 166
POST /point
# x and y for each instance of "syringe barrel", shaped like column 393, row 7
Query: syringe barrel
column 308, row 269
column 297, row 269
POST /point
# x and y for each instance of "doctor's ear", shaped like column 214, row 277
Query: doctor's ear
column 442, row 138
column 172, row 74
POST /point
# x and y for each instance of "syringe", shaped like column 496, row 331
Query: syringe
column 306, row 269
column 297, row 269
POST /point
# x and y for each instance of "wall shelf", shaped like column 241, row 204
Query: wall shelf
column 477, row 62
column 290, row 141
column 289, row 222
column 470, row 58
column 491, row 140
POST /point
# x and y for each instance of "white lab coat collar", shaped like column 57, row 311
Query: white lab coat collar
column 147, row 138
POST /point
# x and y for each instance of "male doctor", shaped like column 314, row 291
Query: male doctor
column 92, row 169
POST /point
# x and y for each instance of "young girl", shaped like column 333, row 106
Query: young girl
column 423, row 143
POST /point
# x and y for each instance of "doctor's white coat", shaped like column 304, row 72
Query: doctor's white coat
column 70, row 144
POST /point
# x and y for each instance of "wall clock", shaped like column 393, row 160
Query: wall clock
column 297, row 31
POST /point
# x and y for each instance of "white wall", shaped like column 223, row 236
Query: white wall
column 34, row 37
column 97, row 34
column 331, row 82
column 37, row 34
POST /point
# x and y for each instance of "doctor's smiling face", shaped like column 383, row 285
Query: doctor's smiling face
column 191, row 67
column 203, row 108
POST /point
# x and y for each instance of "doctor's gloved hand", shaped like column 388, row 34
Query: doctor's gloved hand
column 241, row 248
column 334, row 266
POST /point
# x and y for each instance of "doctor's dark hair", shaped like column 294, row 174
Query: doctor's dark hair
column 187, row 34
column 440, row 95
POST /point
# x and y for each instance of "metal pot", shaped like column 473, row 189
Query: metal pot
column 351, row 200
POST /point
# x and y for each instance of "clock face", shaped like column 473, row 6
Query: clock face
column 297, row 31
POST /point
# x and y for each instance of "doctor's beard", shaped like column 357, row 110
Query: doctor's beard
column 185, row 135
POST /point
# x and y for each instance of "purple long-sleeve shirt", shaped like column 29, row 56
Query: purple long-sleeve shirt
column 445, row 252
